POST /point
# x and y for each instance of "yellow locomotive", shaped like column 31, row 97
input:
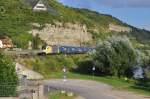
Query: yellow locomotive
column 51, row 49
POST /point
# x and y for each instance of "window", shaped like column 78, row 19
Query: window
column 40, row 7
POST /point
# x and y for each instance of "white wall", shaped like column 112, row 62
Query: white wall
column 40, row 7
column 1, row 44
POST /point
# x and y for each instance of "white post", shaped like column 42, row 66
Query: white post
column 93, row 69
column 64, row 76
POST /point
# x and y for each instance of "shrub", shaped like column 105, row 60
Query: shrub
column 8, row 77
column 114, row 56
column 84, row 67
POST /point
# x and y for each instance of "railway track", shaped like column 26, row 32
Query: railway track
column 33, row 53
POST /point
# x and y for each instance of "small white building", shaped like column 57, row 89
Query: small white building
column 6, row 42
column 1, row 44
column 40, row 6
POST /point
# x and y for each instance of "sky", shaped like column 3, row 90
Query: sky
column 133, row 12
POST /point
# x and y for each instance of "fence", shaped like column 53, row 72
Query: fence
column 8, row 90
column 25, row 89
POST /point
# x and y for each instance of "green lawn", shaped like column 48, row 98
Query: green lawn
column 117, row 83
column 59, row 95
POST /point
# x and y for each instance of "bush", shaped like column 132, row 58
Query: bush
column 115, row 56
column 145, row 58
column 84, row 67
column 8, row 77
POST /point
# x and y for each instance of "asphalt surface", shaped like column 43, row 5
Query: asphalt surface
column 90, row 89
column 87, row 89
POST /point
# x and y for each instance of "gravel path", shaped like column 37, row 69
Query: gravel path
column 79, row 97
column 90, row 89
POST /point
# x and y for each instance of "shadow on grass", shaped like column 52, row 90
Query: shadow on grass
column 142, row 85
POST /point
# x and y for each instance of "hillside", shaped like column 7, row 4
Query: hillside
column 62, row 25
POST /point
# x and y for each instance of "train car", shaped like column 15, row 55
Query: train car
column 67, row 49
column 74, row 49
column 55, row 49
column 80, row 50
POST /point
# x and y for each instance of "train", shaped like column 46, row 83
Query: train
column 56, row 49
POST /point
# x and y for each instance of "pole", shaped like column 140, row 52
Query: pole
column 38, row 90
column 64, row 75
column 32, row 91
column 93, row 73
column 64, row 78
column 80, row 40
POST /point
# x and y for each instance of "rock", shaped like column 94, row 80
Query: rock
column 63, row 34
column 117, row 28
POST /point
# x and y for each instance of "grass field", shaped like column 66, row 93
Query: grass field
column 59, row 95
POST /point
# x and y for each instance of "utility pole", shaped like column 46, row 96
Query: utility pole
column 80, row 40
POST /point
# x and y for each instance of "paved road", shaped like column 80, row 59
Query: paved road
column 90, row 89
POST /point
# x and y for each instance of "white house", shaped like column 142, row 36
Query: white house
column 1, row 44
column 40, row 6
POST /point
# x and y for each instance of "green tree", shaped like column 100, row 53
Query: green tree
column 145, row 55
column 146, row 59
column 114, row 56
column 8, row 77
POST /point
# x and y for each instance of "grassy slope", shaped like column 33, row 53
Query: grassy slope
column 16, row 19
column 51, row 64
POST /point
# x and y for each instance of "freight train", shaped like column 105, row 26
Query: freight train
column 55, row 49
